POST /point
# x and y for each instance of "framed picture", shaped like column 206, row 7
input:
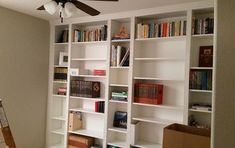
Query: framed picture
column 63, row 59
column 206, row 56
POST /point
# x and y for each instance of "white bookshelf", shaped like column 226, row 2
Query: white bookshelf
column 162, row 60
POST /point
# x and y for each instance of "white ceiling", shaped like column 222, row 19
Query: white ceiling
column 29, row 6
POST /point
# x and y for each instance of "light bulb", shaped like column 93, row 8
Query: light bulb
column 70, row 9
column 51, row 7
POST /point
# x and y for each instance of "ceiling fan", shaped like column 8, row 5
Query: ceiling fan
column 69, row 7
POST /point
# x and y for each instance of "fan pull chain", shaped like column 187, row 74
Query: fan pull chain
column 61, row 17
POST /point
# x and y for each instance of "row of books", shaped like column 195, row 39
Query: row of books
column 148, row 93
column 203, row 25
column 119, row 96
column 165, row 29
column 120, row 56
column 99, row 106
column 99, row 34
column 88, row 89
column 64, row 36
column 200, row 79
column 60, row 73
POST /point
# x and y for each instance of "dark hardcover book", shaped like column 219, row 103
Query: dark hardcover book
column 120, row 119
column 206, row 56
column 60, row 73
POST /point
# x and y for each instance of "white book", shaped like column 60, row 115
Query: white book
column 182, row 27
column 119, row 48
column 139, row 31
column 114, row 56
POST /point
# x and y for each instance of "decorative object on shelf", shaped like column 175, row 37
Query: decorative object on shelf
column 60, row 73
column 193, row 122
column 62, row 91
column 99, row 72
column 78, row 71
column 80, row 141
column 119, row 96
column 67, row 8
column 122, row 34
column 206, row 56
column 111, row 146
column 87, row 89
column 200, row 79
column 202, row 25
column 201, row 107
column 63, row 59
column 120, row 119
column 75, row 120
column 148, row 93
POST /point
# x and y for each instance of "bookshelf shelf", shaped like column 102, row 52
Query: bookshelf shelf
column 120, row 130
column 119, row 67
column 119, row 85
column 162, row 38
column 171, row 107
column 155, row 120
column 200, row 111
column 60, row 66
column 202, row 68
column 157, row 79
column 60, row 82
column 88, row 99
column 146, row 144
column 61, row 118
column 61, row 44
column 202, row 35
column 90, row 133
column 88, row 59
column 87, row 43
column 88, row 111
column 59, row 96
column 58, row 131
column 159, row 59
column 117, row 143
column 116, row 101
column 57, row 146
column 91, row 76
column 121, row 40
column 200, row 91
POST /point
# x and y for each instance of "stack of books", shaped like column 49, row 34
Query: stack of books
column 119, row 96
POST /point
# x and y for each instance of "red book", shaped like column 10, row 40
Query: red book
column 97, row 106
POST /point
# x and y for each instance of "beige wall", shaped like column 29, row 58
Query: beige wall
column 24, row 51
column 224, row 125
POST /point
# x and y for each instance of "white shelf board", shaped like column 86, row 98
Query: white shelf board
column 155, row 120
column 161, row 106
column 91, row 76
column 60, row 66
column 202, row 68
column 60, row 82
column 157, row 79
column 202, row 35
column 200, row 111
column 89, row 111
column 59, row 96
column 119, row 130
column 89, row 99
column 57, row 146
column 90, row 133
column 145, row 144
column 117, row 143
column 200, row 91
column 158, row 59
column 61, row 118
column 116, row 101
column 59, row 131
column 119, row 67
column 64, row 43
column 120, row 40
column 88, row 59
column 90, row 42
column 162, row 38
column 118, row 85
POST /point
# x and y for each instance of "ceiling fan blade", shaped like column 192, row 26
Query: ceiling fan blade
column 41, row 8
column 85, row 8
column 106, row 0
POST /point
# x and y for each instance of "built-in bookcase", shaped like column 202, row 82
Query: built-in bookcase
column 160, row 48
column 202, row 96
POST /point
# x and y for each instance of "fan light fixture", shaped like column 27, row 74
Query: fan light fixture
column 67, row 8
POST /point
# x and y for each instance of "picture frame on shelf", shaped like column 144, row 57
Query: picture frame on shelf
column 63, row 59
column 206, row 56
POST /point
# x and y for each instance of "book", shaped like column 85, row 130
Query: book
column 125, row 58
column 120, row 119
column 206, row 56
column 75, row 121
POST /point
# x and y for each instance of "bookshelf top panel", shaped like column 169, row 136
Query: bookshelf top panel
column 164, row 15
column 97, row 23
